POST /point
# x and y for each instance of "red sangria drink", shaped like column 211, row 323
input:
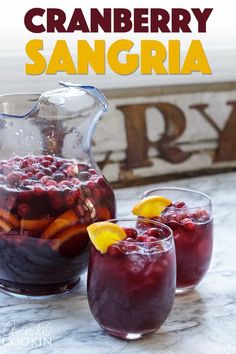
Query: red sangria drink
column 131, row 276
column 189, row 215
column 46, row 204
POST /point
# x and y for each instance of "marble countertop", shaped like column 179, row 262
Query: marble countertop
column 201, row 322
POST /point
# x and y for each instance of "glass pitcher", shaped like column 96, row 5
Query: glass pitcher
column 50, row 188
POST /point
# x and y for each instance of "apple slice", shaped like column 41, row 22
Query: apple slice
column 5, row 226
column 9, row 217
column 65, row 220
column 35, row 225
column 65, row 235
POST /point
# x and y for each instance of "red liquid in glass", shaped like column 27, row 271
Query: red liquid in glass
column 46, row 203
column 131, row 288
column 193, row 236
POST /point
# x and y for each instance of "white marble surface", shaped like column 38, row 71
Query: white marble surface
column 202, row 322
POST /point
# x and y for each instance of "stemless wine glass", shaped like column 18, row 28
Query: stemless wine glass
column 190, row 218
column 131, row 287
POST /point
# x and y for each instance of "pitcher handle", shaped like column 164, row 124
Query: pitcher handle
column 91, row 90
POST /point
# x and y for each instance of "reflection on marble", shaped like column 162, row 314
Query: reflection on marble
column 201, row 322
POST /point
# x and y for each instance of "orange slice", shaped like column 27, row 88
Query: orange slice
column 4, row 226
column 104, row 234
column 65, row 235
column 35, row 225
column 65, row 220
column 151, row 206
column 9, row 217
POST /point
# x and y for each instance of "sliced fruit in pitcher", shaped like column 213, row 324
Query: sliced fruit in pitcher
column 5, row 226
column 67, row 234
column 35, row 225
column 65, row 220
column 9, row 217
column 104, row 234
column 151, row 206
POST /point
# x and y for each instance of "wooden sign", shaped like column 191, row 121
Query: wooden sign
column 153, row 134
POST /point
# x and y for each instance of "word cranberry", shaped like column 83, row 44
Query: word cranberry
column 58, row 177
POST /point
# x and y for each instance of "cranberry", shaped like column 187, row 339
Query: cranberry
column 92, row 171
column 47, row 171
column 39, row 175
column 83, row 176
column 58, row 177
column 114, row 251
column 130, row 247
column 45, row 163
column 153, row 231
column 44, row 180
column 188, row 225
column 130, row 232
column 179, row 205
column 129, row 239
column 141, row 238
column 14, row 178
column 23, row 209
column 48, row 158
column 53, row 168
column 151, row 239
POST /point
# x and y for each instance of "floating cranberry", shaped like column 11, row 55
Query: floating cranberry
column 83, row 176
column 188, row 225
column 141, row 238
column 151, row 239
column 114, row 251
column 14, row 178
column 179, row 205
column 129, row 247
column 51, row 183
column 130, row 232
column 129, row 239
column 44, row 180
column 58, row 177
column 153, row 231
column 47, row 171
column 45, row 163
column 23, row 209
column 49, row 158
column 39, row 175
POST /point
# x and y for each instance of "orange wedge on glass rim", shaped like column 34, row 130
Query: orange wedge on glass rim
column 104, row 234
column 151, row 206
